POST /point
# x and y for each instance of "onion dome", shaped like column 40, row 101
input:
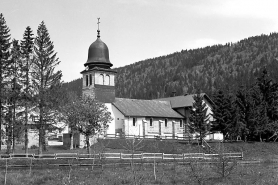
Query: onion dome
column 98, row 55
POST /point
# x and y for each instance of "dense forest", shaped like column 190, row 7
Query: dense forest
column 214, row 67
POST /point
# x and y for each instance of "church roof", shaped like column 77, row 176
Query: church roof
column 145, row 108
column 184, row 101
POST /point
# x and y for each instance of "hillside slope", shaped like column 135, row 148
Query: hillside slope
column 220, row 66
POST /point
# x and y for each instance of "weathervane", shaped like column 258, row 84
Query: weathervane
column 98, row 36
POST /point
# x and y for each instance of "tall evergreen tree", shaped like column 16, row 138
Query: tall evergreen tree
column 265, row 96
column 245, row 111
column 199, row 119
column 4, row 62
column 220, row 113
column 15, row 91
column 269, row 92
column 45, row 78
column 27, row 49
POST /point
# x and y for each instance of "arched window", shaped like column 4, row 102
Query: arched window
column 87, row 82
column 101, row 79
column 91, row 82
column 107, row 80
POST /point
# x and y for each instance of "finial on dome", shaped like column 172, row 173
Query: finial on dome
column 98, row 31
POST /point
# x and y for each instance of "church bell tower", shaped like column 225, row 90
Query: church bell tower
column 98, row 77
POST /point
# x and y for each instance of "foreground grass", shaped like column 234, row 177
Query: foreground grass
column 165, row 174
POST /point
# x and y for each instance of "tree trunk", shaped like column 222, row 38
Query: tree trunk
column 40, row 134
column 9, row 141
column 26, row 107
column 13, row 134
column 9, row 132
column 44, row 140
column 88, row 144
column 26, row 129
column 71, row 140
column 0, row 117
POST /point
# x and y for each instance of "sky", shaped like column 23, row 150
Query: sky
column 135, row 30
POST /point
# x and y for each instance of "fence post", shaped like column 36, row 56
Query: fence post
column 162, row 156
column 183, row 158
column 120, row 155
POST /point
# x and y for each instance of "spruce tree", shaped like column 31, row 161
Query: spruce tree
column 15, row 91
column 266, row 104
column 4, row 62
column 199, row 119
column 45, row 78
column 245, row 111
column 219, row 110
column 27, row 49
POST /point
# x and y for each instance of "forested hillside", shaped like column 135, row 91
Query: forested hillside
column 220, row 66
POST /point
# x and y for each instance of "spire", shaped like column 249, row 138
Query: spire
column 98, row 31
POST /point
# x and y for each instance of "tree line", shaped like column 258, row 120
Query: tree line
column 250, row 114
column 31, row 86
column 29, row 83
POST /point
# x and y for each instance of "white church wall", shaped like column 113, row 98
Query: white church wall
column 131, row 129
column 118, row 119
column 111, row 125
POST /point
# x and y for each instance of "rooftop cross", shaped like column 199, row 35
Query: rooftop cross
column 98, row 27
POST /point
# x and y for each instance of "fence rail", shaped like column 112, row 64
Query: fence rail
column 164, row 137
column 126, row 156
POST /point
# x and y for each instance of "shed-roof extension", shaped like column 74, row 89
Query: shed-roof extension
column 145, row 108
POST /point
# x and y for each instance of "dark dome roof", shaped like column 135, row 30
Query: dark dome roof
column 98, row 55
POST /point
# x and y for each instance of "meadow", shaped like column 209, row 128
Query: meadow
column 154, row 172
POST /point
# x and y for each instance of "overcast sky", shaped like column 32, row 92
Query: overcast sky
column 135, row 30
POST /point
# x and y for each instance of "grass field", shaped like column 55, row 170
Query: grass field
column 165, row 174
column 171, row 173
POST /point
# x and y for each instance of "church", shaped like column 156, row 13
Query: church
column 164, row 118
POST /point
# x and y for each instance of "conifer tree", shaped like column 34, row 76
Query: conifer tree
column 269, row 92
column 26, row 66
column 245, row 111
column 4, row 62
column 15, row 91
column 199, row 119
column 45, row 79
column 220, row 113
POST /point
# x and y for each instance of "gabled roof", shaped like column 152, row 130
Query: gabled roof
column 183, row 101
column 145, row 108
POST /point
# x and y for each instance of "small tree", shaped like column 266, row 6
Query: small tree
column 199, row 118
column 93, row 118
column 70, row 114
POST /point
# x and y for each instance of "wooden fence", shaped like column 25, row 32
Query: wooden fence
column 126, row 156
column 164, row 137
